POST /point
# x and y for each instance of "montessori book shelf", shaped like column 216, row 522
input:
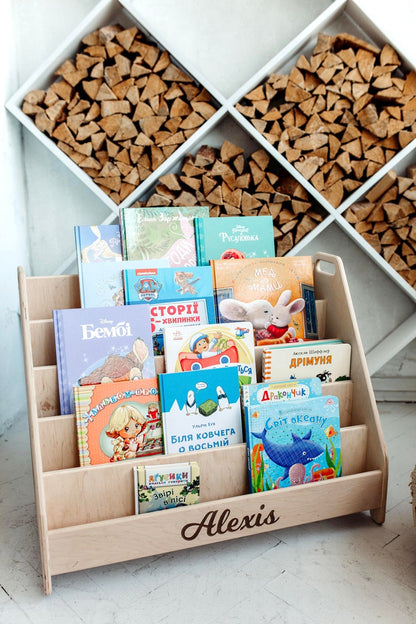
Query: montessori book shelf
column 81, row 511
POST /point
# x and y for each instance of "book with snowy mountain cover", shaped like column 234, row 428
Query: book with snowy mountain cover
column 117, row 421
column 163, row 486
column 233, row 237
column 200, row 409
column 275, row 294
column 293, row 442
column 96, row 345
column 213, row 345
column 161, row 232
column 177, row 296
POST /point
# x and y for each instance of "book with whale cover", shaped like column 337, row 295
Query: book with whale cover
column 293, row 442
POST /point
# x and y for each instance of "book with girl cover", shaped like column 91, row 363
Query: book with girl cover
column 162, row 486
column 233, row 237
column 96, row 345
column 177, row 296
column 330, row 360
column 293, row 442
column 117, row 421
column 200, row 409
column 101, row 283
column 211, row 346
column 275, row 294
column 161, row 232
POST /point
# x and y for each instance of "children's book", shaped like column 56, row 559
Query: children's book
column 329, row 360
column 101, row 283
column 293, row 442
column 117, row 421
column 275, row 294
column 177, row 296
column 254, row 395
column 97, row 243
column 96, row 345
column 200, row 409
column 211, row 346
column 164, row 486
column 161, row 232
column 233, row 237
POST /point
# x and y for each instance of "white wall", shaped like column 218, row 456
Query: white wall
column 42, row 200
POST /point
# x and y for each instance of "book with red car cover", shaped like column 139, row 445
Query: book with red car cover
column 117, row 421
column 95, row 345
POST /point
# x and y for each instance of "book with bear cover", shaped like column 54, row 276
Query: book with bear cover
column 330, row 360
column 275, row 294
column 213, row 345
column 233, row 237
column 117, row 421
column 200, row 409
column 177, row 296
column 95, row 345
column 293, row 442
column 160, row 232
column 163, row 486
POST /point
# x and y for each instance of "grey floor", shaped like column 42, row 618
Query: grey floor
column 343, row 570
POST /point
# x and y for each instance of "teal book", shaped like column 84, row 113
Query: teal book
column 223, row 238
column 293, row 442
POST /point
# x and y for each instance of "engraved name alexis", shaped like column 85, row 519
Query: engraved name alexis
column 215, row 523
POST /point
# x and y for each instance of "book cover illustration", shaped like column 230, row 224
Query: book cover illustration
column 176, row 297
column 200, row 409
column 329, row 360
column 293, row 442
column 161, row 232
column 165, row 485
column 101, row 283
column 96, row 345
column 211, row 346
column 233, row 237
column 275, row 294
column 291, row 390
column 97, row 243
column 117, row 421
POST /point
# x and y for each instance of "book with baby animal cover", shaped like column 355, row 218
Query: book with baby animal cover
column 275, row 294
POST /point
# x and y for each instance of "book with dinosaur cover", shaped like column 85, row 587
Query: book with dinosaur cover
column 161, row 232
column 117, row 421
column 177, row 296
column 163, row 486
column 330, row 360
column 275, row 294
column 293, row 442
column 233, row 237
column 96, row 345
column 101, row 283
column 200, row 409
column 213, row 345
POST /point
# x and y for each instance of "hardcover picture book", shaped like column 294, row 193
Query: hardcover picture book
column 161, row 232
column 176, row 297
column 292, row 390
column 329, row 360
column 200, row 409
column 293, row 442
column 275, row 294
column 211, row 346
column 233, row 237
column 96, row 345
column 97, row 243
column 165, row 485
column 117, row 421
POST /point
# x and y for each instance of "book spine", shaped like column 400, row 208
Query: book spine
column 200, row 242
column 60, row 362
column 122, row 235
column 267, row 365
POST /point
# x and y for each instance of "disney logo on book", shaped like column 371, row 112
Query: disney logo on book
column 216, row 523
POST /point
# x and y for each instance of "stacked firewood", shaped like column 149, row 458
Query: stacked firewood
column 386, row 219
column 233, row 185
column 339, row 115
column 119, row 108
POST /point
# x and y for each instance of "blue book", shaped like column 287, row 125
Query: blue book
column 99, row 345
column 200, row 409
column 293, row 442
column 182, row 296
column 233, row 237
column 97, row 243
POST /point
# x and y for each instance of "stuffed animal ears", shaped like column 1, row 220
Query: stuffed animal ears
column 233, row 310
